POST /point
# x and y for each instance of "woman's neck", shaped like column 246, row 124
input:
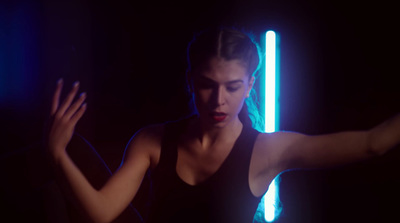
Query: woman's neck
column 211, row 135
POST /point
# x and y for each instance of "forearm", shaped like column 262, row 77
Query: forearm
column 78, row 188
column 385, row 136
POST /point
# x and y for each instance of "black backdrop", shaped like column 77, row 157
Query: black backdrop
column 338, row 72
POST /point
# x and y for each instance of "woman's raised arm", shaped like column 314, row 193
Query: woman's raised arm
column 105, row 204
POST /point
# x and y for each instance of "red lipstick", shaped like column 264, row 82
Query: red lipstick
column 218, row 116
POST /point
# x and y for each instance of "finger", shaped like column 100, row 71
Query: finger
column 56, row 96
column 69, row 98
column 75, row 106
column 78, row 115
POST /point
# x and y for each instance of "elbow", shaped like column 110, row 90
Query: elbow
column 101, row 211
column 104, row 216
column 375, row 151
column 377, row 145
column 102, row 219
column 384, row 137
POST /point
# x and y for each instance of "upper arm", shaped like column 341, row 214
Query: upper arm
column 289, row 150
column 124, row 184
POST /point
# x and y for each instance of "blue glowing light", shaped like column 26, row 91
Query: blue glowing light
column 270, row 105
column 270, row 82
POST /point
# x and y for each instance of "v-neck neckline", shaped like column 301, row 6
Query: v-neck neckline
column 220, row 168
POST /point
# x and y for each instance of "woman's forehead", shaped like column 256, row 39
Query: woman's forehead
column 221, row 70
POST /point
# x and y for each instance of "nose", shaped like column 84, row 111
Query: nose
column 219, row 96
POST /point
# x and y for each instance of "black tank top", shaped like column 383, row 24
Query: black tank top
column 223, row 197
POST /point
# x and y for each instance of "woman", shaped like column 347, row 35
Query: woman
column 213, row 166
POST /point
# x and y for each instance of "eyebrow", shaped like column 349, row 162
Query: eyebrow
column 235, row 81
column 229, row 82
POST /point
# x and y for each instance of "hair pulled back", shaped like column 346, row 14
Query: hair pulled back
column 228, row 44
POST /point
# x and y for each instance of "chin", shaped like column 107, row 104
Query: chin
column 218, row 124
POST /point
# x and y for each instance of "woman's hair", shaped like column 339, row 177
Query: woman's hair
column 228, row 44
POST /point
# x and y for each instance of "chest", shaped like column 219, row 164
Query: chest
column 210, row 184
column 195, row 165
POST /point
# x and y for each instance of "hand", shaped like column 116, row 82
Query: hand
column 63, row 119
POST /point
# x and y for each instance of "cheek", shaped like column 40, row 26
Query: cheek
column 236, row 100
column 201, row 98
column 202, row 95
column 239, row 103
column 241, row 97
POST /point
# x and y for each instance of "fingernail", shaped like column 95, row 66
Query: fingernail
column 76, row 83
column 83, row 94
column 60, row 81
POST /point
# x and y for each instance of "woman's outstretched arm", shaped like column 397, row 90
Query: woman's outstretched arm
column 105, row 204
column 289, row 150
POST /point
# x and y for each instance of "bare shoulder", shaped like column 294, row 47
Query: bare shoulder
column 145, row 143
column 149, row 135
column 274, row 147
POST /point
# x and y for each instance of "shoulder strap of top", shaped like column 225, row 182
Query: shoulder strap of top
column 168, row 154
column 245, row 141
column 237, row 167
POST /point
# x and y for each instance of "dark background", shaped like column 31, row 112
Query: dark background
column 338, row 72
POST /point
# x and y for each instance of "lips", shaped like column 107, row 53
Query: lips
column 218, row 116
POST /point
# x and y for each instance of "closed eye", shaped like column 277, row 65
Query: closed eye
column 232, row 89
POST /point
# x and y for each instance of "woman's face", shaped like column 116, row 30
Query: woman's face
column 220, row 91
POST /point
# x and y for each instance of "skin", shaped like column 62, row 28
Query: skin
column 206, row 143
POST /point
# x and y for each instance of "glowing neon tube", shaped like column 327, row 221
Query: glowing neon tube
column 271, row 114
